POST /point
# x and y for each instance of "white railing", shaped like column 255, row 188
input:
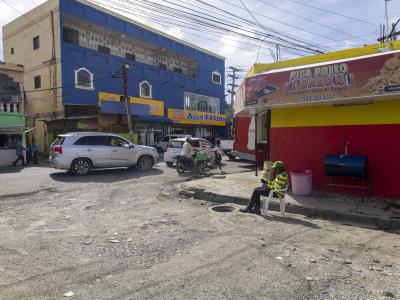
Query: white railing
column 9, row 107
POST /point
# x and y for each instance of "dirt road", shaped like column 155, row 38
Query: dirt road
column 122, row 234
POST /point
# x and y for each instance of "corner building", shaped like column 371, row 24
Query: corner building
column 344, row 104
column 71, row 48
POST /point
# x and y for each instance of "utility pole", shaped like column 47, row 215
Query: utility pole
column 392, row 35
column 278, row 53
column 231, row 91
column 233, row 85
column 387, row 17
column 125, row 68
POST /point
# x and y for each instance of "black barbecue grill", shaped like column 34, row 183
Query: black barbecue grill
column 349, row 167
column 355, row 166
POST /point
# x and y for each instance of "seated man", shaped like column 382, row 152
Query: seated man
column 280, row 182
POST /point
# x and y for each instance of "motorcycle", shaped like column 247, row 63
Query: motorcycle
column 203, row 162
column 183, row 164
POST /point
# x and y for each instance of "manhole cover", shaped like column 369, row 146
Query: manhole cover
column 223, row 208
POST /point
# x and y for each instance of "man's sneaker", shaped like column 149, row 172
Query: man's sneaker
column 244, row 210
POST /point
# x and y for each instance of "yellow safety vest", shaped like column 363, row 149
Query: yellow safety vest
column 280, row 182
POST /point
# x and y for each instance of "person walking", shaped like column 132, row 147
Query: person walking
column 19, row 149
column 280, row 182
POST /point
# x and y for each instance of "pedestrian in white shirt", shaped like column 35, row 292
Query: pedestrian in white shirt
column 187, row 149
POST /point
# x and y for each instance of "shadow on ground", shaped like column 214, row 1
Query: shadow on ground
column 288, row 220
column 5, row 170
column 105, row 175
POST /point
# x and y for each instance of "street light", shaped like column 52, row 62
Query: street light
column 125, row 68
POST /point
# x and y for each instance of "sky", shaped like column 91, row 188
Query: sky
column 333, row 25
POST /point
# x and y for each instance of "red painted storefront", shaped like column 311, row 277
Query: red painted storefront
column 305, row 148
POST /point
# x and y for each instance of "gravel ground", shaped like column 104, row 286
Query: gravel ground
column 123, row 234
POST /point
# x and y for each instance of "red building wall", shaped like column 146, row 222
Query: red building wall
column 305, row 147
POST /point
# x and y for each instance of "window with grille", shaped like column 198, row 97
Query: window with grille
column 203, row 103
column 71, row 35
column 36, row 42
column 145, row 90
column 103, row 49
column 130, row 56
column 216, row 77
column 178, row 70
column 84, row 79
column 37, row 82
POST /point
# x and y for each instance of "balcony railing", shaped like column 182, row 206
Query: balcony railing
column 9, row 107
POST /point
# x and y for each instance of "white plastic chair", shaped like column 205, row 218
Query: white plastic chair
column 268, row 199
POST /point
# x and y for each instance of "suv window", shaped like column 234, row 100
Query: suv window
column 205, row 144
column 59, row 140
column 196, row 143
column 175, row 144
column 94, row 141
column 81, row 141
column 118, row 142
column 98, row 140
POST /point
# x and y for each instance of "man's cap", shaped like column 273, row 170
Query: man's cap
column 277, row 164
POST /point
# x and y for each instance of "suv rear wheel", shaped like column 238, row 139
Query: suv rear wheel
column 81, row 166
column 145, row 163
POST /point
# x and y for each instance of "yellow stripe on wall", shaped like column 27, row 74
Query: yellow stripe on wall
column 384, row 112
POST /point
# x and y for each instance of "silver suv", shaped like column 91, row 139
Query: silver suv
column 82, row 151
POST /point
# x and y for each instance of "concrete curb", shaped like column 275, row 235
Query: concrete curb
column 347, row 217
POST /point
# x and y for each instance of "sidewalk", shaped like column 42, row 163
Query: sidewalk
column 237, row 188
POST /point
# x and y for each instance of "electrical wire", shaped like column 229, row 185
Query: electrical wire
column 332, row 12
column 279, row 21
column 249, row 37
column 307, row 19
column 161, row 22
column 275, row 58
column 209, row 22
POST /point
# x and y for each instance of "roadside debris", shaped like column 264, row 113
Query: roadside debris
column 388, row 294
column 90, row 205
column 114, row 241
column 219, row 176
column 308, row 278
column 68, row 294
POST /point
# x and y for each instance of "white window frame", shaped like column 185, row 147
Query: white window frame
column 151, row 90
column 81, row 86
column 220, row 77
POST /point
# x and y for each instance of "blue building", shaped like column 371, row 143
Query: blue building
column 174, row 86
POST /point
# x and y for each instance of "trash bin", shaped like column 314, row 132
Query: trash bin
column 301, row 182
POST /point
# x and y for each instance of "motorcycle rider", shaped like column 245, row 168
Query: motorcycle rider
column 187, row 150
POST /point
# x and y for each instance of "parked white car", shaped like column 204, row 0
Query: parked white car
column 163, row 144
column 175, row 146
column 227, row 147
column 82, row 151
